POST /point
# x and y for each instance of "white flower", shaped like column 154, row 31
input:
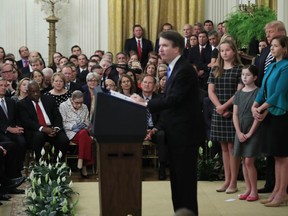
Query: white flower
column 39, row 181
column 60, row 154
column 71, row 184
column 50, row 182
column 34, row 195
column 210, row 144
column 49, row 166
column 64, row 179
column 58, row 180
column 200, row 151
column 43, row 152
column 31, row 176
column 70, row 172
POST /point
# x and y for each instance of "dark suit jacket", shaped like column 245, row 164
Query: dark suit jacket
column 12, row 118
column 184, row 129
column 28, row 115
column 131, row 44
column 75, row 86
column 155, row 115
column 201, row 61
column 20, row 64
column 261, row 64
column 81, row 77
column 180, row 103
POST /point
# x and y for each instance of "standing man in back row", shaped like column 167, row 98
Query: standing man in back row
column 181, row 119
column 139, row 44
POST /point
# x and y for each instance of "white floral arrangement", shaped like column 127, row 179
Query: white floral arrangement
column 51, row 7
column 50, row 188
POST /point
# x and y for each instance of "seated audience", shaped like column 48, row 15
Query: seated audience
column 72, row 86
column 10, row 131
column 110, row 85
column 77, row 127
column 21, row 90
column 38, row 77
column 58, row 91
column 93, row 81
column 154, row 132
column 126, row 85
column 7, row 72
column 40, row 116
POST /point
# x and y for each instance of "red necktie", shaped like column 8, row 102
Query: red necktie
column 139, row 49
column 40, row 115
column 201, row 50
column 25, row 63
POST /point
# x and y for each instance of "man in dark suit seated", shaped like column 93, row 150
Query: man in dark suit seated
column 154, row 132
column 73, row 86
column 9, row 126
column 42, row 121
column 140, row 45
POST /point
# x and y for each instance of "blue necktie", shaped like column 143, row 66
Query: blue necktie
column 168, row 72
column 4, row 107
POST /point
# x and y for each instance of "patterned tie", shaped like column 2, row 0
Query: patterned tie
column 268, row 61
column 41, row 119
column 149, row 116
column 168, row 72
column 4, row 107
column 139, row 49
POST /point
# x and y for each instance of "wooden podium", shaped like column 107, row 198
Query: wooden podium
column 119, row 128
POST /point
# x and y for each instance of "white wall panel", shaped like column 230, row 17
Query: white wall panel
column 23, row 23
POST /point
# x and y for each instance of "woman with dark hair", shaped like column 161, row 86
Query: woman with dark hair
column 38, row 77
column 126, row 85
column 55, row 61
column 2, row 56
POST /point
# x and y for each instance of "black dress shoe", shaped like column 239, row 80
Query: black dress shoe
column 16, row 191
column 265, row 190
column 82, row 175
column 5, row 197
column 162, row 174
column 10, row 184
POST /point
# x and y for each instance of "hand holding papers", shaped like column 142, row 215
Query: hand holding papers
column 139, row 100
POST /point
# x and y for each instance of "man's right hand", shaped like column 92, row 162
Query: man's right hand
column 49, row 131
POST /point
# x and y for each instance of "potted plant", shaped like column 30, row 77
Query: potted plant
column 209, row 167
column 50, row 191
column 248, row 24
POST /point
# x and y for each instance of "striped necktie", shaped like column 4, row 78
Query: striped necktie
column 149, row 116
column 4, row 107
column 268, row 61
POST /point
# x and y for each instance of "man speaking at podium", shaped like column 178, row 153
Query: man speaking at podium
column 181, row 120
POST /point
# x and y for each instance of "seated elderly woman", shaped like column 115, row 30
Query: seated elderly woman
column 77, row 126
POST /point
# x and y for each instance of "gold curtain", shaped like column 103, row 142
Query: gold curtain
column 151, row 15
column 268, row 3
